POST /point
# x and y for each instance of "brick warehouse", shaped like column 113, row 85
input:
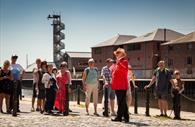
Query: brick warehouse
column 143, row 52
column 180, row 54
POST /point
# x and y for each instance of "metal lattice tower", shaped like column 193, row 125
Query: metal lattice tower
column 58, row 45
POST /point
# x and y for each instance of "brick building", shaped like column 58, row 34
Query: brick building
column 104, row 50
column 180, row 54
column 143, row 52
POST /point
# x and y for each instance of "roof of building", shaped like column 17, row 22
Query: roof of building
column 79, row 54
column 33, row 65
column 116, row 40
column 157, row 35
column 185, row 39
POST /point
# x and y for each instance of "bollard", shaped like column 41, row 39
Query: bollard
column 147, row 102
column 78, row 94
column 135, row 100
column 105, row 113
column 15, row 98
column 66, row 106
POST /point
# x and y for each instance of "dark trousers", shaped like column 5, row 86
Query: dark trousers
column 50, row 98
column 18, row 94
column 122, row 104
column 177, row 104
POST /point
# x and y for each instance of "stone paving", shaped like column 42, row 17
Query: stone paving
column 78, row 118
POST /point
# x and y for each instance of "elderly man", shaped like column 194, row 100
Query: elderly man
column 107, row 76
column 17, row 72
column 162, row 77
column 91, row 85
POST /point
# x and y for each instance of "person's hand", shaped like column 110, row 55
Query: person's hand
column 98, row 87
column 84, row 87
column 146, row 87
column 135, row 86
column 69, row 90
column 5, row 77
column 106, row 85
column 180, row 92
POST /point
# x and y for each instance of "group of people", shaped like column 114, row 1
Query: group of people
column 10, row 73
column 49, row 86
column 116, row 78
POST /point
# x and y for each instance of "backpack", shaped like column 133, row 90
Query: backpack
column 87, row 71
column 166, row 71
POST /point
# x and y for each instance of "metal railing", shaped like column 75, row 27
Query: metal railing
column 77, row 88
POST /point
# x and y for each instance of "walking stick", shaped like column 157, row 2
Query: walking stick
column 66, row 106
column 15, row 98
column 105, row 113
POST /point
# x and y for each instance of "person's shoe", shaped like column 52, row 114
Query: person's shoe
column 49, row 112
column 1, row 110
column 18, row 110
column 113, row 114
column 165, row 115
column 116, row 120
column 32, row 109
column 104, row 114
column 161, row 115
column 177, row 118
column 70, row 110
column 96, row 114
column 126, row 120
column 8, row 112
column 42, row 111
column 37, row 109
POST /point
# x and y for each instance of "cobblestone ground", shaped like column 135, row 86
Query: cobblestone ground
column 78, row 118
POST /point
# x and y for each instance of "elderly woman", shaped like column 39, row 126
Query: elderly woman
column 119, row 83
column 50, row 85
column 63, row 78
column 5, row 85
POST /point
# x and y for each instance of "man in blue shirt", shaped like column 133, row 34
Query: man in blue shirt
column 17, row 72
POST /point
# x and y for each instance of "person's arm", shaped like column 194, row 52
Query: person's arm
column 182, row 88
column 83, row 80
column 10, row 77
column 45, row 80
column 172, row 83
column 22, row 72
column 104, row 78
column 70, row 78
column 151, row 82
column 123, row 64
column 98, row 79
column 133, row 81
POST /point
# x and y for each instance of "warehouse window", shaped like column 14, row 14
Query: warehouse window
column 170, row 62
column 133, row 47
column 97, row 50
column 170, row 48
column 189, row 46
column 189, row 60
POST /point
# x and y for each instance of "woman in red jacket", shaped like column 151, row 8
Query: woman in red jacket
column 119, row 83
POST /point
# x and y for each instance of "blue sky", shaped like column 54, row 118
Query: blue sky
column 24, row 28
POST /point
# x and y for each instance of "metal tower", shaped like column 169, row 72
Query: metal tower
column 58, row 45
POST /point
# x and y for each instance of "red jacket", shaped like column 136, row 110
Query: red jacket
column 120, row 75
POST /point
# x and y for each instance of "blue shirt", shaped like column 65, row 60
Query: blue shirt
column 106, row 73
column 16, row 70
column 91, row 76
